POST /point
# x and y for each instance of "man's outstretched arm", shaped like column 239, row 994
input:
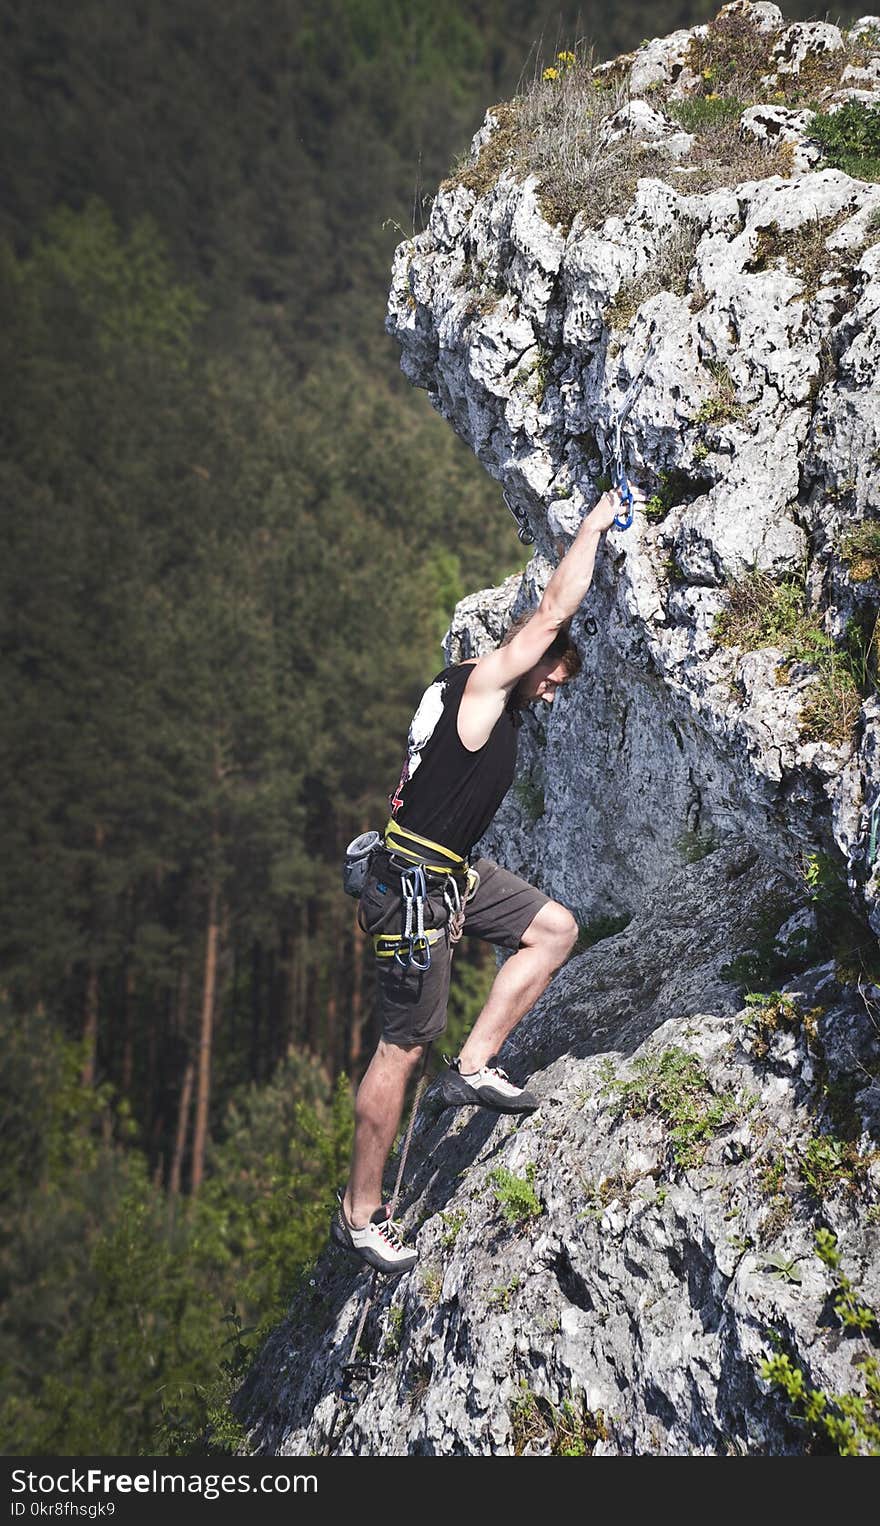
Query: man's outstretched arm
column 496, row 674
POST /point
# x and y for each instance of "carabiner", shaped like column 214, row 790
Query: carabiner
column 622, row 520
column 521, row 518
column 414, row 963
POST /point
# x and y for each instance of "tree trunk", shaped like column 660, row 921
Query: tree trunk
column 90, row 1027
column 310, row 974
column 183, row 1107
column 333, row 956
column 256, row 1008
column 206, row 1036
column 127, row 1074
column 298, row 1034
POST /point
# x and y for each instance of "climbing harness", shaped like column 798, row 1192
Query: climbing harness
column 522, row 520
column 400, row 841
column 624, row 519
column 418, row 859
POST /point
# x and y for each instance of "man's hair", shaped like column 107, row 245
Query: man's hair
column 561, row 648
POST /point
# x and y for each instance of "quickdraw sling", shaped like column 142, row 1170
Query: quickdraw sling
column 624, row 518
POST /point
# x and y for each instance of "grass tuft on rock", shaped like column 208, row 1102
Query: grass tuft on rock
column 566, row 1430
column 673, row 1085
column 860, row 550
column 764, row 613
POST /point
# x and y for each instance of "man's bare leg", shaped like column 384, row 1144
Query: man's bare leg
column 378, row 1111
column 545, row 945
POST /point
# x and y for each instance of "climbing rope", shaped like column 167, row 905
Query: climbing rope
column 619, row 414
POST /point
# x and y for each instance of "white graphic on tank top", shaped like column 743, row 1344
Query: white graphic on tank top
column 421, row 729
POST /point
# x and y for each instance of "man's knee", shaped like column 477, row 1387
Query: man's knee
column 402, row 1056
column 554, row 928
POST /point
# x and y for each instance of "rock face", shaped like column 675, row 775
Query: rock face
column 660, row 1245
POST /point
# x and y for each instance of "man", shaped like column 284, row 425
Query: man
column 460, row 763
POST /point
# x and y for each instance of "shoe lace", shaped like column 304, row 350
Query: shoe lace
column 392, row 1231
column 489, row 1070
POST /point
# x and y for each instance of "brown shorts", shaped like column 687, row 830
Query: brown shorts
column 412, row 1003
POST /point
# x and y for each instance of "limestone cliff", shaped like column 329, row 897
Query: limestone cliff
column 710, row 786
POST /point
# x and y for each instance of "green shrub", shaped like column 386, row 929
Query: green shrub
column 515, row 1195
column 671, row 489
column 849, row 1422
column 452, row 1225
column 850, row 1310
column 722, row 406
column 529, row 794
column 850, row 138
column 830, row 1166
column 695, row 845
column 764, row 613
column 568, row 1430
column 673, row 1085
column 731, row 57
column 394, row 1330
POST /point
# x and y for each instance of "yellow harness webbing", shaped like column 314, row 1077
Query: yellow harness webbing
column 410, row 845
column 389, row 945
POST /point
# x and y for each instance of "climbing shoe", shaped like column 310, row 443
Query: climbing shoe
column 490, row 1086
column 378, row 1243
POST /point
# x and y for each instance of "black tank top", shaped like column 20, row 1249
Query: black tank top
column 445, row 792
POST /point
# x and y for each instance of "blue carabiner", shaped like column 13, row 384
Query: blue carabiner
column 623, row 522
column 624, row 517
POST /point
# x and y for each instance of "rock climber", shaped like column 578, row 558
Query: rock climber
column 421, row 890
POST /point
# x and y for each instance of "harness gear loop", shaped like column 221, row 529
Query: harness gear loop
column 455, row 907
column 386, row 945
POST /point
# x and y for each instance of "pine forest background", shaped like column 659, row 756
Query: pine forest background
column 232, row 537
